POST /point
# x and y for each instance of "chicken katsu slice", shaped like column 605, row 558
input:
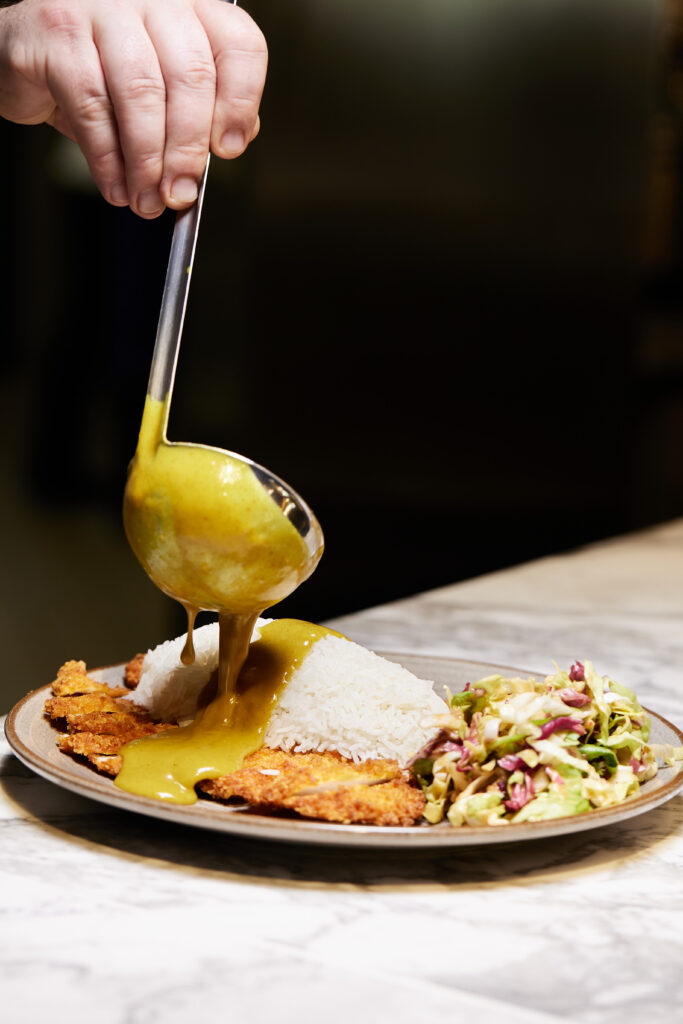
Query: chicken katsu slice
column 131, row 672
column 72, row 679
column 108, row 764
column 326, row 786
column 96, row 712
column 106, row 722
column 85, row 743
column 396, row 802
column 270, row 776
column 86, row 703
column 101, row 749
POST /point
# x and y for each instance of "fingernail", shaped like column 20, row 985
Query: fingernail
column 232, row 141
column 184, row 190
column 150, row 201
column 119, row 193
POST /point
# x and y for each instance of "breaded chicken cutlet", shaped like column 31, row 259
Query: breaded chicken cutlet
column 96, row 724
column 96, row 721
column 323, row 785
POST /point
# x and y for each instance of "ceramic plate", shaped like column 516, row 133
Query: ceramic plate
column 33, row 740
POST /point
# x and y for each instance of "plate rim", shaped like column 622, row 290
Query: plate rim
column 245, row 823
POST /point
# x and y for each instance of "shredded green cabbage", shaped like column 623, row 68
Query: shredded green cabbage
column 514, row 750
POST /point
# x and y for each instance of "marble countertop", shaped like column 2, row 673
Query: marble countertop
column 119, row 919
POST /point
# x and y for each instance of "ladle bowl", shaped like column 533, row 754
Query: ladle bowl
column 230, row 536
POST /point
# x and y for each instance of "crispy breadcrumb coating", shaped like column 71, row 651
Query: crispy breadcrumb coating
column 131, row 672
column 327, row 786
column 96, row 721
column 397, row 802
column 270, row 776
column 72, row 678
column 102, row 749
column 96, row 713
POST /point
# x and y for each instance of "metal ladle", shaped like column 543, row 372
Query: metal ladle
column 160, row 387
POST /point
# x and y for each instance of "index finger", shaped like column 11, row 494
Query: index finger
column 138, row 94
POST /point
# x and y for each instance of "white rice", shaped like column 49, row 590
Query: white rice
column 168, row 688
column 342, row 697
column 345, row 698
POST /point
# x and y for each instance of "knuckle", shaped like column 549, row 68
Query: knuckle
column 148, row 165
column 241, row 110
column 197, row 73
column 190, row 152
column 91, row 108
column 250, row 56
column 141, row 88
column 105, row 162
column 59, row 17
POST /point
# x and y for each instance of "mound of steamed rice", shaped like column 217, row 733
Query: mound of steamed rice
column 342, row 697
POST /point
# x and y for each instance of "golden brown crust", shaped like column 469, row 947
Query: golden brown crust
column 96, row 713
column 102, row 749
column 325, row 786
column 73, row 679
column 270, row 776
column 108, row 765
column 131, row 672
column 96, row 721
column 87, row 703
column 396, row 802
column 86, row 743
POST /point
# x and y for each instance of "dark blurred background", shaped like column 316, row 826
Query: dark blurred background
column 440, row 295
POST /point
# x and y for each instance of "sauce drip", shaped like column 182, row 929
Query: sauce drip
column 187, row 654
column 168, row 765
column 209, row 535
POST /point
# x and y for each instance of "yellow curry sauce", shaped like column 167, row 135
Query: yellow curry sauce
column 209, row 535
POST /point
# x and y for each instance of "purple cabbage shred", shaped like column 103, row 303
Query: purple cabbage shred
column 576, row 672
column 563, row 722
column 573, row 698
column 512, row 763
column 520, row 794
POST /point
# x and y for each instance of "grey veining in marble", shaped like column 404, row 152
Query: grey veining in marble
column 118, row 919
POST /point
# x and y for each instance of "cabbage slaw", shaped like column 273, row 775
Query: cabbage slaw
column 512, row 750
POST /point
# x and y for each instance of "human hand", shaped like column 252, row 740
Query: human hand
column 145, row 87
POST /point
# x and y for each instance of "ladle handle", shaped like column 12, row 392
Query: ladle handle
column 174, row 300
